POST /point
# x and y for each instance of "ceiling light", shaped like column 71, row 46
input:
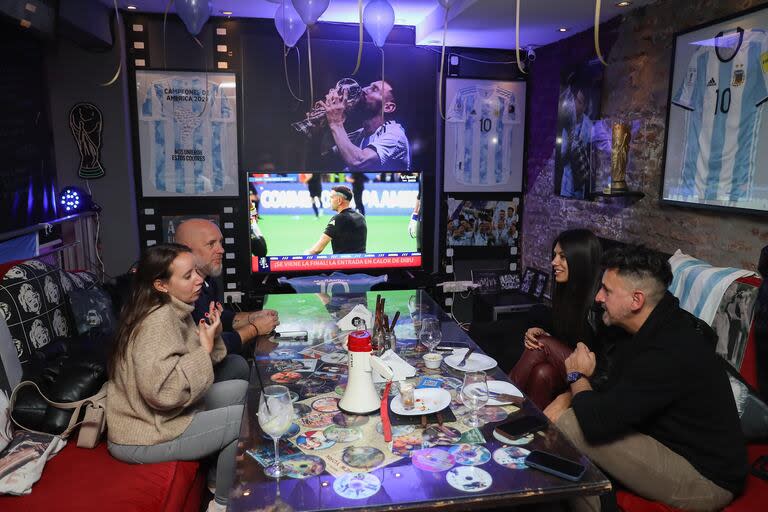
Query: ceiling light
column 132, row 7
column 625, row 3
column 226, row 13
column 562, row 29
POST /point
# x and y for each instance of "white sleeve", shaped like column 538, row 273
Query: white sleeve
column 391, row 146
column 684, row 95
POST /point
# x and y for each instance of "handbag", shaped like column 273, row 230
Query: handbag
column 94, row 418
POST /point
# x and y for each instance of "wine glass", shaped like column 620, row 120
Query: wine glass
column 275, row 418
column 474, row 394
column 430, row 333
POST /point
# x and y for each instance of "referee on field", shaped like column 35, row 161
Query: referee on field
column 347, row 230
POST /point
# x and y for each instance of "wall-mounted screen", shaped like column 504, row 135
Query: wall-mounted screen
column 299, row 223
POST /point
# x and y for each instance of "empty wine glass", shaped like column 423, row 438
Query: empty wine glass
column 474, row 394
column 275, row 418
column 430, row 333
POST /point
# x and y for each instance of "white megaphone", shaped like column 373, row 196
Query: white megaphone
column 360, row 396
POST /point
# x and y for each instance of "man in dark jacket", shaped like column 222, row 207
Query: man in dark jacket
column 665, row 424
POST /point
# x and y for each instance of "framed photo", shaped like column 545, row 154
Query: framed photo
column 488, row 281
column 581, row 88
column 187, row 133
column 716, row 153
column 482, row 223
column 509, row 281
column 171, row 223
column 528, row 284
column 541, row 285
column 484, row 135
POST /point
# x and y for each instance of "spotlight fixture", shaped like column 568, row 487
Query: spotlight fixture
column 625, row 3
column 562, row 29
column 226, row 13
column 74, row 199
column 132, row 7
column 530, row 53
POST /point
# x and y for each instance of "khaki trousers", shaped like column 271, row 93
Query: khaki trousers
column 647, row 468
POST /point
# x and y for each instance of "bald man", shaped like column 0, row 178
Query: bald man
column 206, row 241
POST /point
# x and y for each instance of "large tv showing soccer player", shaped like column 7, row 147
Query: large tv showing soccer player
column 717, row 137
column 352, row 122
column 315, row 222
column 484, row 135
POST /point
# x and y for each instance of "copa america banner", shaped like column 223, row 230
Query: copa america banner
column 187, row 133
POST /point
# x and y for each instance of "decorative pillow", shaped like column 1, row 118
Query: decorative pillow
column 753, row 412
column 32, row 302
column 92, row 311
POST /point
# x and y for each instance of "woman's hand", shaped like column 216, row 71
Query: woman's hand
column 210, row 326
column 530, row 340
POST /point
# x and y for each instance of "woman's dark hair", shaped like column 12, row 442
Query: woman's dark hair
column 572, row 300
column 155, row 263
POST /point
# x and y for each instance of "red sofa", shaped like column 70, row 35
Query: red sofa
column 755, row 496
column 85, row 480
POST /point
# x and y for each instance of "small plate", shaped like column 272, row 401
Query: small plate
column 500, row 386
column 475, row 363
column 428, row 401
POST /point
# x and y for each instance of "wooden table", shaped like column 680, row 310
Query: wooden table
column 403, row 485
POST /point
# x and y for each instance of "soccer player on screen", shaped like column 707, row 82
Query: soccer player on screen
column 347, row 230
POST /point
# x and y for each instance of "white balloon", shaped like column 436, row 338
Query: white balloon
column 289, row 24
column 446, row 3
column 310, row 10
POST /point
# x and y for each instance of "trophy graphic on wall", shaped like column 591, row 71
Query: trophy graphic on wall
column 85, row 121
column 316, row 116
column 620, row 137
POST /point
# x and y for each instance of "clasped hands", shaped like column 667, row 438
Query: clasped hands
column 581, row 360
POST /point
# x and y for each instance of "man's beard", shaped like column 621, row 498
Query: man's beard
column 212, row 270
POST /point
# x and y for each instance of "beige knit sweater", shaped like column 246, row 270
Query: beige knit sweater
column 150, row 398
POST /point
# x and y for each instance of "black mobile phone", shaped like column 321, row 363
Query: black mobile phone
column 291, row 336
column 556, row 465
column 518, row 427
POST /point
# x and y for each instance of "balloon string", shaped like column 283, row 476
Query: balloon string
column 309, row 59
column 165, row 20
column 286, row 51
column 442, row 67
column 360, row 45
column 119, row 48
column 382, row 83
column 597, row 33
column 517, row 37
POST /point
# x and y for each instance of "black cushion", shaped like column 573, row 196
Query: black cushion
column 92, row 311
column 753, row 412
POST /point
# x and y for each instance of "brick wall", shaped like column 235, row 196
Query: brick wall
column 639, row 54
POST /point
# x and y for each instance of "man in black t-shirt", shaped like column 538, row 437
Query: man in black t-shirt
column 347, row 230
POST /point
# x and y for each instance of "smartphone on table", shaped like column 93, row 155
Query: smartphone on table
column 518, row 427
column 291, row 336
column 556, row 465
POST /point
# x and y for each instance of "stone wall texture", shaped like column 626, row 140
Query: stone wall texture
column 639, row 55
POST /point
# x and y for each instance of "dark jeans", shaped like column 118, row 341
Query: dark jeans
column 540, row 374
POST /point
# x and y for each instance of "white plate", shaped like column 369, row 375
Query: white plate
column 500, row 386
column 428, row 400
column 475, row 363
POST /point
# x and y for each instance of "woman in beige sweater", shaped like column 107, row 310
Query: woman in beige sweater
column 162, row 403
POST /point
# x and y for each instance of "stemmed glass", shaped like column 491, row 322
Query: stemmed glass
column 430, row 333
column 275, row 418
column 474, row 394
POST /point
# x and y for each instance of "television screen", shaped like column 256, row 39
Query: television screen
column 482, row 223
column 300, row 224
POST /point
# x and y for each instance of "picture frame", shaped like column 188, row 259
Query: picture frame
column 715, row 66
column 541, row 285
column 488, row 281
column 509, row 281
column 528, row 281
column 483, row 223
column 473, row 126
column 187, row 133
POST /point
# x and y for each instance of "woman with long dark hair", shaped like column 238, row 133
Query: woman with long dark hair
column 540, row 372
column 162, row 403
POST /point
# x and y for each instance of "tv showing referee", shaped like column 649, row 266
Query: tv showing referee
column 346, row 231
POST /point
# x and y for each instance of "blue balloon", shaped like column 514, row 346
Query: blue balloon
column 289, row 24
column 310, row 10
column 194, row 14
column 378, row 20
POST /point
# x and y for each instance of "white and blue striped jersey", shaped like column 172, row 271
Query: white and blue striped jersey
column 723, row 93
column 478, row 135
column 193, row 144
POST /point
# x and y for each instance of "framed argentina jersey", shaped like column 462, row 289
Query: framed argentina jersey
column 187, row 133
column 484, row 135
column 716, row 153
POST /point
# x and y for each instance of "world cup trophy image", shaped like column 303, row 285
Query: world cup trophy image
column 620, row 137
column 316, row 116
column 86, row 123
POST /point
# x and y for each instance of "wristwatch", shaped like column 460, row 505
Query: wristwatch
column 573, row 377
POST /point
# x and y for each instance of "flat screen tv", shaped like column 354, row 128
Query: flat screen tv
column 290, row 213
